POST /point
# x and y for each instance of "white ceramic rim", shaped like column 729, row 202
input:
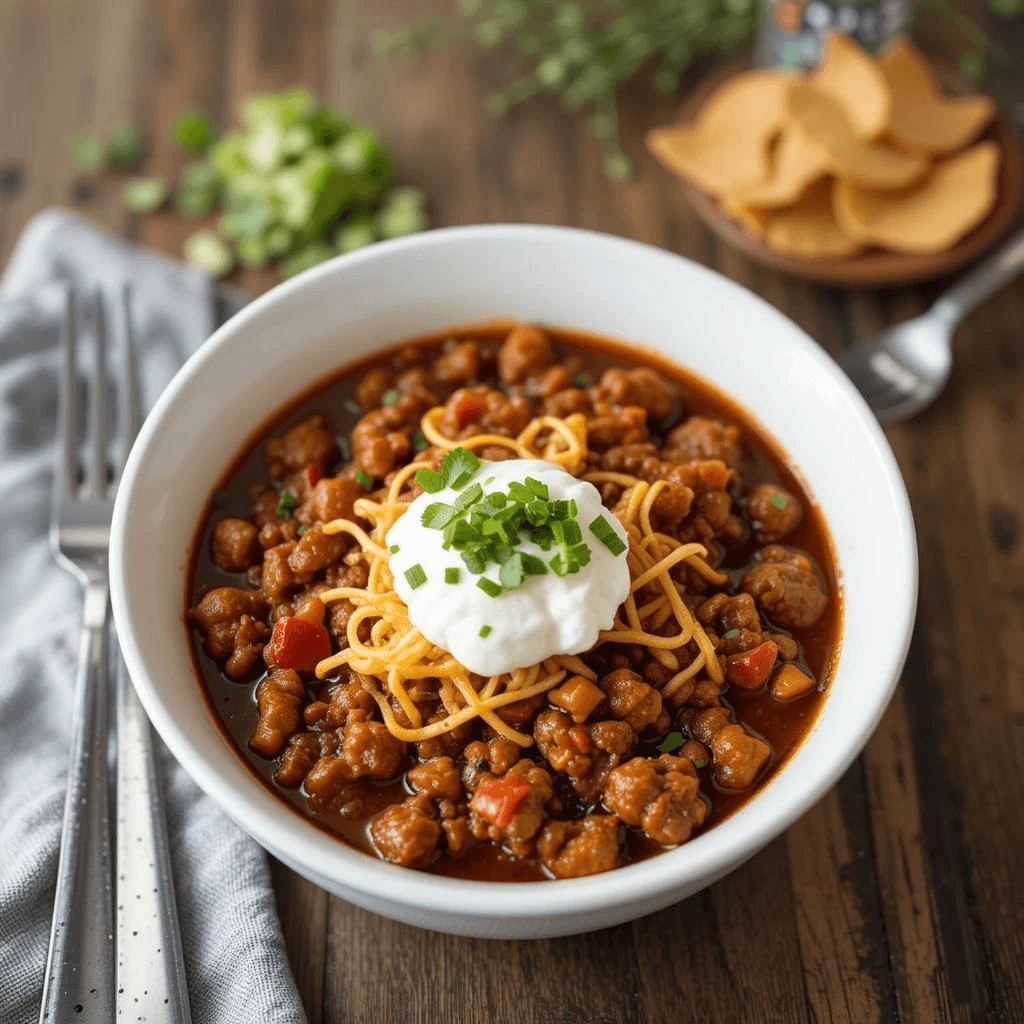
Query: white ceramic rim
column 290, row 836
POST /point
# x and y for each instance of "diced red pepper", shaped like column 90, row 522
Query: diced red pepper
column 298, row 644
column 499, row 800
column 313, row 474
column 468, row 409
column 751, row 669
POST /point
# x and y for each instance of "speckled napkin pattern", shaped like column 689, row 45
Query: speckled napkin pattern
column 235, row 957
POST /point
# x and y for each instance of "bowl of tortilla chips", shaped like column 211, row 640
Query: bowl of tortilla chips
column 863, row 173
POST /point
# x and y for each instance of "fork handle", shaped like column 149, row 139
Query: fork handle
column 985, row 280
column 150, row 964
column 79, row 982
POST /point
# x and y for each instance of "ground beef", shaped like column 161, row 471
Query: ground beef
column 525, row 353
column 773, row 511
column 407, row 833
column 278, row 697
column 584, row 753
column 517, row 836
column 787, row 587
column 229, row 619
column 307, row 443
column 233, row 546
column 641, row 387
column 661, row 796
column 632, row 700
column 702, row 438
column 571, row 849
column 370, row 751
column 460, row 365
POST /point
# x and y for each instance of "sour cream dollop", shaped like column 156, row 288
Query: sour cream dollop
column 547, row 615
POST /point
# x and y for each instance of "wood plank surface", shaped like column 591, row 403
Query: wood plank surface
column 898, row 897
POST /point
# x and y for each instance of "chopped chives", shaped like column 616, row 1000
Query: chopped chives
column 606, row 534
column 415, row 576
column 389, row 397
column 673, row 741
column 365, row 480
column 780, row 502
column 485, row 632
column 732, row 633
column 489, row 587
column 343, row 447
column 452, row 575
column 420, row 442
column 393, row 549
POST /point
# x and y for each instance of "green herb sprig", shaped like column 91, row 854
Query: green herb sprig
column 584, row 52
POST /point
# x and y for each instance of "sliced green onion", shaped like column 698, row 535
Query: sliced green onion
column 452, row 575
column 420, row 442
column 489, row 587
column 780, row 502
column 415, row 576
column 732, row 633
column 485, row 632
column 437, row 515
column 389, row 397
column 394, row 549
column 343, row 447
column 365, row 480
column 605, row 533
column 144, row 195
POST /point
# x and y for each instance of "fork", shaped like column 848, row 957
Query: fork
column 905, row 367
column 80, row 977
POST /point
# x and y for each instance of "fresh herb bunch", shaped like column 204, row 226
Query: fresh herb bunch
column 586, row 51
column 297, row 183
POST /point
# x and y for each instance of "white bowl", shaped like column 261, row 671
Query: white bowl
column 351, row 306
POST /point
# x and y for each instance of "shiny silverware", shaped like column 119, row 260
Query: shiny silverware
column 150, row 963
column 905, row 367
column 80, row 975
column 79, row 978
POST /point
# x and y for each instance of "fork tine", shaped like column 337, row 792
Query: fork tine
column 66, row 475
column 96, row 467
column 127, row 394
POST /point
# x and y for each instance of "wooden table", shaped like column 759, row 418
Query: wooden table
column 899, row 896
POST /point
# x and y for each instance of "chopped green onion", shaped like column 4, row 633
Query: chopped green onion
column 780, row 502
column 485, row 632
column 365, row 480
column 285, row 504
column 489, row 587
column 537, row 488
column 125, row 147
column 673, row 741
column 194, row 131
column 86, row 152
column 605, row 533
column 301, row 530
column 581, row 380
column 512, row 573
column 700, row 762
column 394, row 549
column 480, row 765
column 452, row 575
column 344, row 447
column 420, row 442
column 415, row 576
column 470, row 496
column 207, row 250
column 732, row 633
column 389, row 397
column 144, row 195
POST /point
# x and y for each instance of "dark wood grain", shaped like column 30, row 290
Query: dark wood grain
column 896, row 898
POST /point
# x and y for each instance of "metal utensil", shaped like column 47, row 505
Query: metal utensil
column 905, row 367
column 80, row 978
column 150, row 964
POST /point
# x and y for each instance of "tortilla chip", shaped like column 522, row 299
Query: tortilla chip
column 798, row 161
column 808, row 229
column 922, row 119
column 729, row 141
column 869, row 164
column 856, row 83
column 754, row 221
column 927, row 217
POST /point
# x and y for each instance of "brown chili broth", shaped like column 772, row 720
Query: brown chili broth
column 783, row 725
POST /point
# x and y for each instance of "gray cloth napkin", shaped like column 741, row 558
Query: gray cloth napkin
column 235, row 957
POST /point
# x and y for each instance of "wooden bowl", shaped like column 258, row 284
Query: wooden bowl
column 873, row 267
